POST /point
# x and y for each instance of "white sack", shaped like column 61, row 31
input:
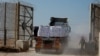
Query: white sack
column 43, row 31
column 52, row 31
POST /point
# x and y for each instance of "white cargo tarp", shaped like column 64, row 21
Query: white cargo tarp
column 43, row 31
column 56, row 31
column 52, row 31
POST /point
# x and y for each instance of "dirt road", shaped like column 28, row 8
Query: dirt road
column 72, row 49
column 31, row 52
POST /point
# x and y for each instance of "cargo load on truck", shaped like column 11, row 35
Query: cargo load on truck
column 52, row 31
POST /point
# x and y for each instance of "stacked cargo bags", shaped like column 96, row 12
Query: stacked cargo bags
column 61, row 32
column 66, row 30
column 43, row 31
column 56, row 31
column 52, row 31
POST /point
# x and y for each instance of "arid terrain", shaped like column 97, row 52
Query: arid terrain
column 72, row 49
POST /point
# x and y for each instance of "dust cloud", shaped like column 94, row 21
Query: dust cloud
column 73, row 46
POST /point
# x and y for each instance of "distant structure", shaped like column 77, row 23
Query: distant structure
column 95, row 23
column 16, row 22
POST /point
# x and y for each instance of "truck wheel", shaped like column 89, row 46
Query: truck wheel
column 59, row 51
column 37, row 50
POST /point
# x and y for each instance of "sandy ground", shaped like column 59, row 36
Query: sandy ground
column 72, row 49
column 69, row 52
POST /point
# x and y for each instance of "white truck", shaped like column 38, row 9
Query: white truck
column 53, row 36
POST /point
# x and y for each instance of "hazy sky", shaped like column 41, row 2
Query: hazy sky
column 77, row 12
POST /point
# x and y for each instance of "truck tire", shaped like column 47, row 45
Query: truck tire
column 59, row 51
column 37, row 50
